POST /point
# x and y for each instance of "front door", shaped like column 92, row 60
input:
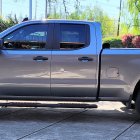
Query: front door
column 25, row 62
column 74, row 62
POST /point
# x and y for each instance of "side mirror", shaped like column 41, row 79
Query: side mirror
column 106, row 46
column 1, row 43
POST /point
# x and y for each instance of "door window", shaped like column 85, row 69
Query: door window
column 73, row 36
column 30, row 37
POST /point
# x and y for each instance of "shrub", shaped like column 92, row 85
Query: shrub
column 127, row 40
column 115, row 42
column 136, row 41
column 6, row 23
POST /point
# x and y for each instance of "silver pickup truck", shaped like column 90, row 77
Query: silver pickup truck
column 62, row 60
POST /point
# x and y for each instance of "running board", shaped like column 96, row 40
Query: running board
column 57, row 105
column 47, row 98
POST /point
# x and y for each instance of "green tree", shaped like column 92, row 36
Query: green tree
column 134, row 10
column 96, row 14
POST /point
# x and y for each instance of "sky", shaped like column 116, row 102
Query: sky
column 21, row 7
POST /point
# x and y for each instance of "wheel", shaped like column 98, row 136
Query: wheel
column 137, row 104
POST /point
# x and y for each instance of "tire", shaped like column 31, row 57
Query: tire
column 137, row 104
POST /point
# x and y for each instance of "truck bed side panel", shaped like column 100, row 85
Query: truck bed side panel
column 120, row 71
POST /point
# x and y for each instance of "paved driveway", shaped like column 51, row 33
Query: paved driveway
column 108, row 122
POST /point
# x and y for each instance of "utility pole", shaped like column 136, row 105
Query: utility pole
column 119, row 19
column 30, row 9
column 65, row 7
column 46, row 9
column 0, row 8
column 35, row 8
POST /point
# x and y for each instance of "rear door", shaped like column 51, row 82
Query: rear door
column 25, row 61
column 74, row 61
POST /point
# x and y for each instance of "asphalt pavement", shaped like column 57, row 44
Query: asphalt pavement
column 110, row 121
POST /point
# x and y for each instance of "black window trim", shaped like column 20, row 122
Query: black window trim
column 48, row 46
column 57, row 26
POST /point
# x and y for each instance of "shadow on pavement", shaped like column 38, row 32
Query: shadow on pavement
column 44, row 114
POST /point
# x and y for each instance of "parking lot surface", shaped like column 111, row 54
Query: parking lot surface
column 110, row 121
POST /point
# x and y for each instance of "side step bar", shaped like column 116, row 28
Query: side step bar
column 57, row 105
column 49, row 98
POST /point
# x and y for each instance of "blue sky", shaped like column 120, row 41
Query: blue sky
column 20, row 8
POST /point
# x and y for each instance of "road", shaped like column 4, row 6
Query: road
column 110, row 121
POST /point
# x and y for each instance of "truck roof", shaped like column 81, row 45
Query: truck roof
column 57, row 21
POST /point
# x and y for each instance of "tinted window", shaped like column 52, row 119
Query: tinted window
column 28, row 37
column 73, row 36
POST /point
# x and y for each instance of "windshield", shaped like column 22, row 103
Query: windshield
column 5, row 32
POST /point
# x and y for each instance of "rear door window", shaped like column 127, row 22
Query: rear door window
column 73, row 36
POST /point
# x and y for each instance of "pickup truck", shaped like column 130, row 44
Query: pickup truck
column 64, row 61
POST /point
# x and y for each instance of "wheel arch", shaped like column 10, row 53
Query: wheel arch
column 136, row 89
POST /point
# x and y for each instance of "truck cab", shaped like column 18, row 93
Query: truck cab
column 50, row 58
